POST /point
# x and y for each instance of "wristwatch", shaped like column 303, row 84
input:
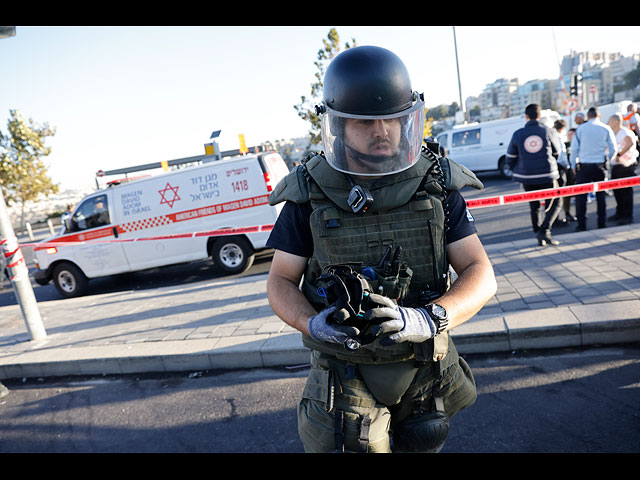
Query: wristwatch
column 439, row 315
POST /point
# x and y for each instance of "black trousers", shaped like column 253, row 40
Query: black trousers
column 551, row 210
column 567, row 177
column 623, row 196
column 587, row 173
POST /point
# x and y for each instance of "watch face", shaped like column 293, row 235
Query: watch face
column 438, row 310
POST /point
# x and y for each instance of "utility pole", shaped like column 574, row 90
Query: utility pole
column 455, row 46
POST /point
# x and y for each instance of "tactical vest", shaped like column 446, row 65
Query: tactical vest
column 407, row 211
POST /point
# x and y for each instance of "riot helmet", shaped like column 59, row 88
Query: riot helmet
column 372, row 121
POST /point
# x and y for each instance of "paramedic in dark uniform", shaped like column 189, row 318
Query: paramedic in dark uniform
column 372, row 114
column 532, row 154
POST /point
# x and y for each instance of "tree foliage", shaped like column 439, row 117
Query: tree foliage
column 306, row 107
column 23, row 174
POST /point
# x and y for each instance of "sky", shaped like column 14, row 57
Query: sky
column 126, row 96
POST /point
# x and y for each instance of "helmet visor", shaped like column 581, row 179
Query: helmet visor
column 373, row 145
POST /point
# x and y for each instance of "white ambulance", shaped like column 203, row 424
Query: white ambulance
column 166, row 219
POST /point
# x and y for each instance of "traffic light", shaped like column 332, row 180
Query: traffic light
column 574, row 90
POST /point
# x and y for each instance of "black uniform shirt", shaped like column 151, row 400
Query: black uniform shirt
column 292, row 233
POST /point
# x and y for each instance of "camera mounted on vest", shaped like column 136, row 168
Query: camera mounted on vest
column 352, row 289
column 346, row 289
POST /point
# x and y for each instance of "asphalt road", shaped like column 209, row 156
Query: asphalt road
column 569, row 401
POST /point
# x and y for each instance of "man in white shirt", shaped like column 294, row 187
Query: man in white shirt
column 623, row 165
column 592, row 147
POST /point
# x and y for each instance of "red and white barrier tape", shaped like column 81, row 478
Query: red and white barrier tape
column 553, row 192
column 474, row 203
column 208, row 233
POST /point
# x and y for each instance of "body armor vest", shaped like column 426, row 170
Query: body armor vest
column 407, row 212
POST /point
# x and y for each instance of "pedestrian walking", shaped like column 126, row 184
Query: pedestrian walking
column 362, row 250
column 623, row 165
column 532, row 154
column 593, row 145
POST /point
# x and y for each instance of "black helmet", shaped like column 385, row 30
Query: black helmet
column 371, row 85
column 367, row 81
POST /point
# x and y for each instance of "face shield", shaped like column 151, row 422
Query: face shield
column 373, row 145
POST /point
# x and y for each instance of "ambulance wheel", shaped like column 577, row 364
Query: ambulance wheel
column 232, row 254
column 505, row 171
column 69, row 280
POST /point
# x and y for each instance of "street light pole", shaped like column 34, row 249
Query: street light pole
column 455, row 46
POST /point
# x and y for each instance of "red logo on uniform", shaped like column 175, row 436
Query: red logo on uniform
column 169, row 195
column 533, row 144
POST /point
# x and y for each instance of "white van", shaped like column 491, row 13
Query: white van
column 166, row 219
column 482, row 146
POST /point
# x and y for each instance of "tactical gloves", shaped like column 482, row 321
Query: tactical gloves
column 320, row 329
column 400, row 324
column 395, row 324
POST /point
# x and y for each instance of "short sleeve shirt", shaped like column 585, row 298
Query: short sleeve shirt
column 292, row 232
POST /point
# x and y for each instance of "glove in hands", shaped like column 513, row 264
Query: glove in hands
column 321, row 330
column 400, row 324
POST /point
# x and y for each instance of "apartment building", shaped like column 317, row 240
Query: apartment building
column 601, row 75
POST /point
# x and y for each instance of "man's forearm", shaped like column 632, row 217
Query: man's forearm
column 289, row 304
column 469, row 293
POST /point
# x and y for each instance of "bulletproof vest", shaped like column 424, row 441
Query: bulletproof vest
column 407, row 211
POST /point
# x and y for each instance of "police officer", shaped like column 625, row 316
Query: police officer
column 532, row 154
column 373, row 191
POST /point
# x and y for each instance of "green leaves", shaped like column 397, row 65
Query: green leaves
column 23, row 174
column 306, row 107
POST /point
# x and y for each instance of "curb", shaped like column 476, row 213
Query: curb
column 571, row 326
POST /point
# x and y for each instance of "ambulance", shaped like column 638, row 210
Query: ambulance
column 218, row 209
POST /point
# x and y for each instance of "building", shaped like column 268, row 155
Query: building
column 600, row 75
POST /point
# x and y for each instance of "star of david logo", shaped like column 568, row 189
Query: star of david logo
column 169, row 198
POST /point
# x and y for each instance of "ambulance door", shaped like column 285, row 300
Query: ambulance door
column 91, row 226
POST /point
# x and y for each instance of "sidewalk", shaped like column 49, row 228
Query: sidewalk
column 585, row 291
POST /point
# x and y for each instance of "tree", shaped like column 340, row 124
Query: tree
column 23, row 174
column 306, row 107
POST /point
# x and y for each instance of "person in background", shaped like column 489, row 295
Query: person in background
column 623, row 165
column 567, row 177
column 532, row 155
column 65, row 215
column 592, row 146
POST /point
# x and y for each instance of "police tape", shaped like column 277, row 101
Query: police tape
column 207, row 233
column 544, row 194
column 498, row 200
